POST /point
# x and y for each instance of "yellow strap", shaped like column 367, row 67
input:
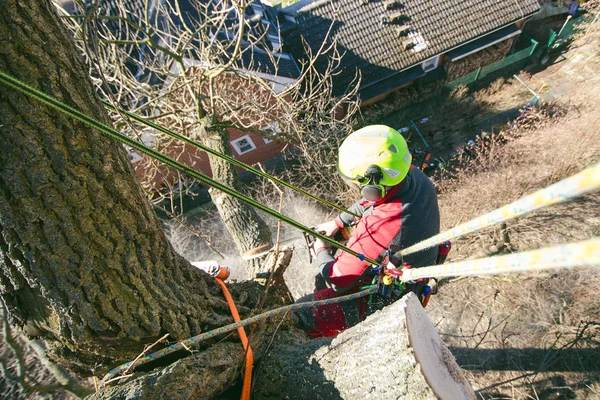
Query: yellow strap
column 584, row 253
column 579, row 184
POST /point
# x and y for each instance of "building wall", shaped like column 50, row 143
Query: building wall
column 264, row 150
column 382, row 96
column 198, row 159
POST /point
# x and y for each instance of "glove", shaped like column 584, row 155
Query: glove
column 432, row 283
column 317, row 246
column 328, row 228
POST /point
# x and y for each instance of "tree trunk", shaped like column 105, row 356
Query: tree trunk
column 274, row 267
column 84, row 263
column 190, row 378
column 395, row 354
column 244, row 224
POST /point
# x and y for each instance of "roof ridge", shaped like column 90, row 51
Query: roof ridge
column 314, row 5
column 304, row 6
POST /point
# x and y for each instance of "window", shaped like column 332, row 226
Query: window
column 278, row 87
column 271, row 130
column 430, row 64
column 243, row 145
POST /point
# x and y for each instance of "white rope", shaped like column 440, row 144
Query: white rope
column 577, row 185
column 584, row 253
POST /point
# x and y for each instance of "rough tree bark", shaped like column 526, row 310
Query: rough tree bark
column 84, row 263
column 395, row 354
column 191, row 376
column 246, row 227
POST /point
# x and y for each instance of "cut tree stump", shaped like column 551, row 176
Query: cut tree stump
column 394, row 354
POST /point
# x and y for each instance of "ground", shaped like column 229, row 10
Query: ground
column 530, row 336
column 449, row 119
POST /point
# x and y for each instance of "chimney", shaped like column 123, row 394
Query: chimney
column 391, row 4
column 397, row 17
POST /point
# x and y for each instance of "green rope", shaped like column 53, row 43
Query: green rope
column 112, row 133
column 224, row 157
column 231, row 327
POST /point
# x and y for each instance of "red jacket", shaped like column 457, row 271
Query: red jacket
column 407, row 215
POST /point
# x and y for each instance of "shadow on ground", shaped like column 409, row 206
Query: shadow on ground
column 563, row 360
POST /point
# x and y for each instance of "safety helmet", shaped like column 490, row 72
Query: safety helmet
column 374, row 155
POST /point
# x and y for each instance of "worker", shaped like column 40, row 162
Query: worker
column 398, row 209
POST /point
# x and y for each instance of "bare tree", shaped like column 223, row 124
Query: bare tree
column 203, row 68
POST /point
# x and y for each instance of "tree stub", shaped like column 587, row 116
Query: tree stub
column 395, row 353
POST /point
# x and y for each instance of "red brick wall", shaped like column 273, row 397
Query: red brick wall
column 263, row 151
column 237, row 89
column 198, row 159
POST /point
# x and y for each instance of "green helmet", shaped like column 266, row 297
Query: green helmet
column 374, row 145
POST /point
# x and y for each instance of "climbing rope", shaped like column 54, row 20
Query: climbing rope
column 577, row 185
column 247, row 386
column 584, row 253
column 224, row 157
column 231, row 327
column 114, row 134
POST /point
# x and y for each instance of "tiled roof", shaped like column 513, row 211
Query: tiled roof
column 254, row 59
column 368, row 34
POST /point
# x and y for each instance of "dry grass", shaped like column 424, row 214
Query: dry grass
column 528, row 336
column 515, row 336
column 531, row 160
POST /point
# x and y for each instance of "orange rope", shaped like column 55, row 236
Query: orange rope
column 249, row 357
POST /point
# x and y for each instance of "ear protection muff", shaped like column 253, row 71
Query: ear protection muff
column 370, row 188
